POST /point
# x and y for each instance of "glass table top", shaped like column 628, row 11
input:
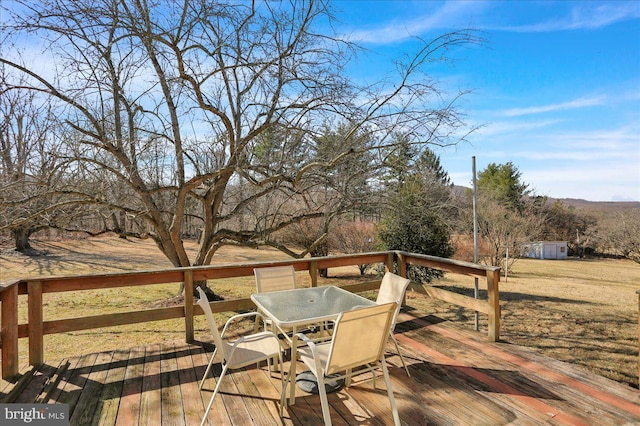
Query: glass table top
column 306, row 305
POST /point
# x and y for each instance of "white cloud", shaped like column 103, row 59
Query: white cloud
column 602, row 182
column 597, row 165
column 586, row 15
column 573, row 104
column 447, row 16
column 480, row 15
column 500, row 128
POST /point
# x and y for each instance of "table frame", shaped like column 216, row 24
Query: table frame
column 314, row 297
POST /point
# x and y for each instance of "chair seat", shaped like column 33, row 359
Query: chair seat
column 306, row 356
column 253, row 348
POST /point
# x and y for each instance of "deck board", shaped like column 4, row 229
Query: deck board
column 150, row 406
column 193, row 405
column 107, row 408
column 457, row 378
column 130, row 400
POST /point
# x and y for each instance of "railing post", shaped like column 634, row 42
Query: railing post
column 313, row 273
column 402, row 265
column 34, row 307
column 493, row 293
column 188, row 305
column 402, row 270
column 9, row 331
column 390, row 260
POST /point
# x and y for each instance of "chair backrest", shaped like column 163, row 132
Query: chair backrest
column 217, row 339
column 275, row 278
column 359, row 337
column 392, row 289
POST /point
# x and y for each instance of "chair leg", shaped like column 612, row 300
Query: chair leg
column 285, row 383
column 277, row 364
column 215, row 391
column 392, row 401
column 395, row 342
column 373, row 375
column 323, row 401
column 281, row 366
column 208, row 370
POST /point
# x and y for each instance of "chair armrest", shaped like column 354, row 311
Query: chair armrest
column 240, row 316
column 243, row 338
column 314, row 351
column 360, row 307
column 308, row 341
column 353, row 309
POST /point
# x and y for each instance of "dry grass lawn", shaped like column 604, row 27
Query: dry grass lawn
column 581, row 311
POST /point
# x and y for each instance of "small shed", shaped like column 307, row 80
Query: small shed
column 545, row 250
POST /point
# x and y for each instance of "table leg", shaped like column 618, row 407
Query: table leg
column 292, row 368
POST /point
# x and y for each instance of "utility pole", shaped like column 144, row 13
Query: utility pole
column 476, row 292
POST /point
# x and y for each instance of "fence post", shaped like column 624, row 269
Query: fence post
column 188, row 305
column 34, row 307
column 9, row 331
column 493, row 293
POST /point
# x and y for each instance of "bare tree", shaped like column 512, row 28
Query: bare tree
column 504, row 229
column 210, row 110
column 620, row 234
column 565, row 223
column 29, row 173
column 354, row 237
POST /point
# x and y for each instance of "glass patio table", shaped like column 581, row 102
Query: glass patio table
column 292, row 309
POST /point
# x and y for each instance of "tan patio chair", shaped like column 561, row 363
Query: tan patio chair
column 274, row 278
column 246, row 350
column 358, row 341
column 392, row 289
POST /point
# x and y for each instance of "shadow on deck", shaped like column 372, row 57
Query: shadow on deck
column 457, row 377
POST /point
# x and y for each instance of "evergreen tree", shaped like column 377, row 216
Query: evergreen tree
column 502, row 181
column 416, row 218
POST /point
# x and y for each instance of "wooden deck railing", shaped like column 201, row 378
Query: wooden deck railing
column 35, row 288
column 638, row 293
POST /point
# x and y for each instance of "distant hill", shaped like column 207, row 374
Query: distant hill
column 597, row 208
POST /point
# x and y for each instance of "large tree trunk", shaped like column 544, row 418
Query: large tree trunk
column 21, row 237
column 320, row 251
column 211, row 296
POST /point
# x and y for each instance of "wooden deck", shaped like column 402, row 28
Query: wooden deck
column 457, row 378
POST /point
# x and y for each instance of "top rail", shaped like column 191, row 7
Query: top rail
column 35, row 288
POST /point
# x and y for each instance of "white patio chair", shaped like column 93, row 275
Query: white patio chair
column 392, row 289
column 359, row 339
column 246, row 350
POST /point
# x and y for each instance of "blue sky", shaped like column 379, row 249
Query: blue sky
column 556, row 86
